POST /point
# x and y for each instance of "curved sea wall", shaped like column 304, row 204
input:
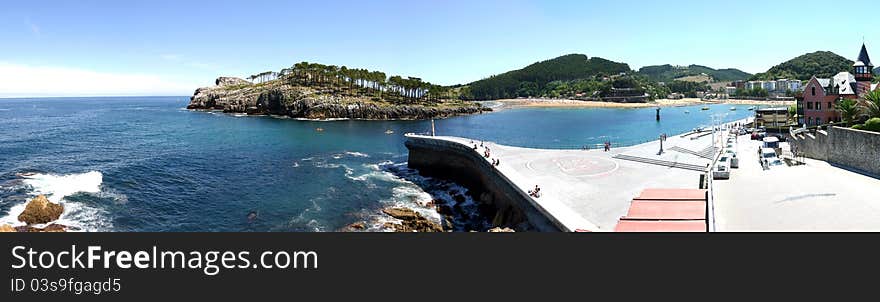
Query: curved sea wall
column 460, row 163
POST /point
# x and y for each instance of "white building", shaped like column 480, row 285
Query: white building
column 730, row 90
column 795, row 85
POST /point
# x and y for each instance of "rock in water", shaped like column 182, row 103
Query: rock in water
column 411, row 221
column 359, row 226
column 5, row 228
column 52, row 228
column 40, row 210
column 402, row 213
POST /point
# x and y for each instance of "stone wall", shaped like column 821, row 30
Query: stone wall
column 813, row 146
column 456, row 162
column 854, row 149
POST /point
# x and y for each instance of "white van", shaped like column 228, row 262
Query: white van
column 722, row 168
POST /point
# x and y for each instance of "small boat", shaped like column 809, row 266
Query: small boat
column 389, row 131
column 752, row 108
column 705, row 108
column 687, row 112
column 319, row 129
column 732, row 108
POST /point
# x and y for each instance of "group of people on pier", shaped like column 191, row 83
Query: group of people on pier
column 487, row 153
column 536, row 192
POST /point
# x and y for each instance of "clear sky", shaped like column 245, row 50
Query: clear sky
column 56, row 48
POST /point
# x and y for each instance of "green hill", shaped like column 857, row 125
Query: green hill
column 823, row 64
column 668, row 73
column 533, row 79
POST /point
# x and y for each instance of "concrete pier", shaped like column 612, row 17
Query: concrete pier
column 587, row 190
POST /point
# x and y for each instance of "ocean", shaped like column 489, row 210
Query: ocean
column 146, row 164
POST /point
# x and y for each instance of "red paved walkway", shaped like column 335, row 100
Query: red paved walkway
column 666, row 210
column 673, row 194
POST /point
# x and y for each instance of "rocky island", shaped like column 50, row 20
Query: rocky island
column 315, row 91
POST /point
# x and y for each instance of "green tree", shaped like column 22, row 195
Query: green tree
column 849, row 110
column 871, row 104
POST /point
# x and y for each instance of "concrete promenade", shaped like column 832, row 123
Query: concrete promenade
column 812, row 197
column 592, row 189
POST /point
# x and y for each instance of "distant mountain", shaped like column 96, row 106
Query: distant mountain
column 822, row 64
column 668, row 73
column 535, row 77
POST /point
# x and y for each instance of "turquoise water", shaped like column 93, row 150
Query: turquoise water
column 146, row 164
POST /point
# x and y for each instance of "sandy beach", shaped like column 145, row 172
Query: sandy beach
column 563, row 103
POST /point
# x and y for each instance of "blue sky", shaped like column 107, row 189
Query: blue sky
column 172, row 47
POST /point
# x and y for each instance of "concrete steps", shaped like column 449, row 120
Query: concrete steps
column 661, row 162
column 705, row 153
column 701, row 135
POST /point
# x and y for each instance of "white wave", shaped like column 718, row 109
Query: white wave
column 4, row 109
column 111, row 194
column 409, row 195
column 11, row 217
column 337, row 156
column 56, row 187
column 377, row 173
column 296, row 164
column 84, row 218
column 325, row 165
column 308, row 159
column 357, row 154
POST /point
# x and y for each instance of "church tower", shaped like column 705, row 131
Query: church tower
column 863, row 71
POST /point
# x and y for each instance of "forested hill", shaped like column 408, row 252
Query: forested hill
column 533, row 79
column 668, row 73
column 822, row 64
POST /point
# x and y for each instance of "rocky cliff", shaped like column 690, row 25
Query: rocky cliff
column 279, row 98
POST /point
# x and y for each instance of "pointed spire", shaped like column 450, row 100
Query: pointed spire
column 863, row 56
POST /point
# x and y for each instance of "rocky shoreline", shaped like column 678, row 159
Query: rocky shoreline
column 234, row 95
column 405, row 220
column 39, row 211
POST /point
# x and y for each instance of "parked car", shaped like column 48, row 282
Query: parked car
column 771, row 142
column 734, row 162
column 722, row 169
column 775, row 162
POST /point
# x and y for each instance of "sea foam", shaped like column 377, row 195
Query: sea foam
column 357, row 154
column 55, row 188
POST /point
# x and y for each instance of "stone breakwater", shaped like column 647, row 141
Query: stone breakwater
column 234, row 95
column 512, row 208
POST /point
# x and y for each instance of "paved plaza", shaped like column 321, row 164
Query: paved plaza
column 812, row 197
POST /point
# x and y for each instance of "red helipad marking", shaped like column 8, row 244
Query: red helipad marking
column 672, row 194
column 667, row 210
column 661, row 226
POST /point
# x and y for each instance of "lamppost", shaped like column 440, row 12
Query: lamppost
column 717, row 120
